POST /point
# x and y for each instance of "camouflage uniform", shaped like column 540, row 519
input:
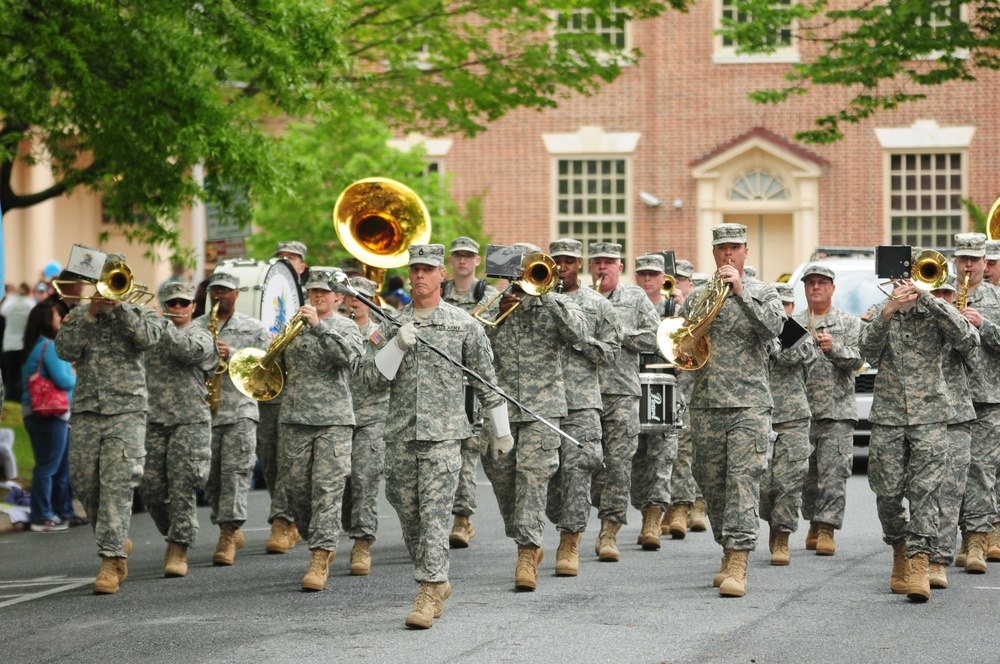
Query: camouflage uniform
column 568, row 505
column 234, row 427
column 268, row 454
column 831, row 399
column 788, row 462
column 423, row 436
column 316, row 424
column 910, row 412
column 684, row 489
column 367, row 449
column 620, row 392
column 529, row 348
column 179, row 432
column 108, row 422
column 730, row 412
column 465, row 496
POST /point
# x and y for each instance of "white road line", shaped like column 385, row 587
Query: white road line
column 61, row 584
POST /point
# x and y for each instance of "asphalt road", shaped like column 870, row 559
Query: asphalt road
column 650, row 607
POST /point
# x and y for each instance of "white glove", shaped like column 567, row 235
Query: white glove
column 503, row 441
column 388, row 359
column 407, row 335
column 501, row 446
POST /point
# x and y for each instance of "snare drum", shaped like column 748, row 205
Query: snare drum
column 269, row 290
column 657, row 408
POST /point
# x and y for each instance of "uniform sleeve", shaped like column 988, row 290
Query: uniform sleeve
column 805, row 354
column 958, row 332
column 142, row 326
column 478, row 356
column 847, row 355
column 369, row 373
column 341, row 342
column 71, row 339
column 604, row 346
column 989, row 330
column 642, row 338
column 192, row 346
column 874, row 335
column 763, row 310
column 569, row 318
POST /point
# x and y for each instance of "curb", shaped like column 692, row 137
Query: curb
column 7, row 527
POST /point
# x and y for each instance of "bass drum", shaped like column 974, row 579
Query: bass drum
column 269, row 290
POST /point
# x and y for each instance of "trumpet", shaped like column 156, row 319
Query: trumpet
column 669, row 284
column 539, row 275
column 115, row 283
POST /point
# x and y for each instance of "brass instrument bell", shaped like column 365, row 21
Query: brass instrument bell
column 539, row 275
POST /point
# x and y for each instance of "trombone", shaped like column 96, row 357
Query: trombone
column 929, row 272
column 539, row 275
column 115, row 283
column 669, row 284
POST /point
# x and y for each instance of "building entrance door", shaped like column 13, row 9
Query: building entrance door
column 771, row 239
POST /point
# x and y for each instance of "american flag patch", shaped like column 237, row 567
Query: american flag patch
column 376, row 338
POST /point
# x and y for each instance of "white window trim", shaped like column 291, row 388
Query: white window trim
column 925, row 135
column 605, row 58
column 726, row 55
column 887, row 155
column 593, row 141
column 434, row 148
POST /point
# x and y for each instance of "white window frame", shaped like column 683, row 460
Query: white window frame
column 606, row 57
column 723, row 54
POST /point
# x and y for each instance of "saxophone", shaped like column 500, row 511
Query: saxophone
column 962, row 299
column 214, row 382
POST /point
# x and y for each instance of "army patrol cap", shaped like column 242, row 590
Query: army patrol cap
column 351, row 266
column 993, row 250
column 970, row 244
column 179, row 290
column 605, row 250
column 115, row 257
column 223, row 280
column 427, row 254
column 729, row 233
column 364, row 286
column 649, row 263
column 566, row 246
column 821, row 270
column 463, row 243
column 684, row 268
column 291, row 247
column 785, row 291
column 527, row 247
column 319, row 277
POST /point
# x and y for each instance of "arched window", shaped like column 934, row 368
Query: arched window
column 757, row 184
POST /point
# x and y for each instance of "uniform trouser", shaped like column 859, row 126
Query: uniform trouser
column 269, row 455
column 568, row 504
column 652, row 467
column 465, row 495
column 612, row 483
column 177, row 461
column 367, row 464
column 684, row 489
column 420, row 482
column 520, row 479
column 824, row 491
column 980, row 505
column 781, row 486
column 319, row 460
column 106, row 455
column 229, row 473
column 730, row 456
column 909, row 462
column 952, row 490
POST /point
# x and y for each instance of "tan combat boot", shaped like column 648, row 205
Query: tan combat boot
column 963, row 551
column 175, row 562
column 280, row 540
column 231, row 540
column 780, row 554
column 825, row 546
column 811, row 536
column 993, row 544
column 899, row 582
column 649, row 536
column 361, row 559
column 422, row 614
column 293, row 535
column 975, row 559
column 442, row 591
column 919, row 589
column 121, row 564
column 668, row 517
column 937, row 576
column 735, row 583
column 679, row 524
column 723, row 572
column 461, row 532
column 568, row 554
column 696, row 518
column 606, row 547
column 319, row 570
column 107, row 581
column 526, row 571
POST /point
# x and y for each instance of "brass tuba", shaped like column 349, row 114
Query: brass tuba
column 539, row 275
column 376, row 220
column 115, row 283
column 257, row 373
column 681, row 340
column 993, row 222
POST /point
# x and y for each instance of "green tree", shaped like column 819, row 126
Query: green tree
column 125, row 98
column 887, row 53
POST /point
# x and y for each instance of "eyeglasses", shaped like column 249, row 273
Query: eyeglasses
column 178, row 303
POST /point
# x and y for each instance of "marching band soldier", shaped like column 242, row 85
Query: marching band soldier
column 652, row 465
column 466, row 292
column 730, row 407
column 106, row 339
column 179, row 428
column 284, row 533
column 831, row 399
column 424, row 435
column 234, row 425
column 983, row 311
column 368, row 443
column 788, row 462
column 620, row 392
column 316, row 422
column 903, row 338
column 528, row 346
column 568, row 503
column 992, row 271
